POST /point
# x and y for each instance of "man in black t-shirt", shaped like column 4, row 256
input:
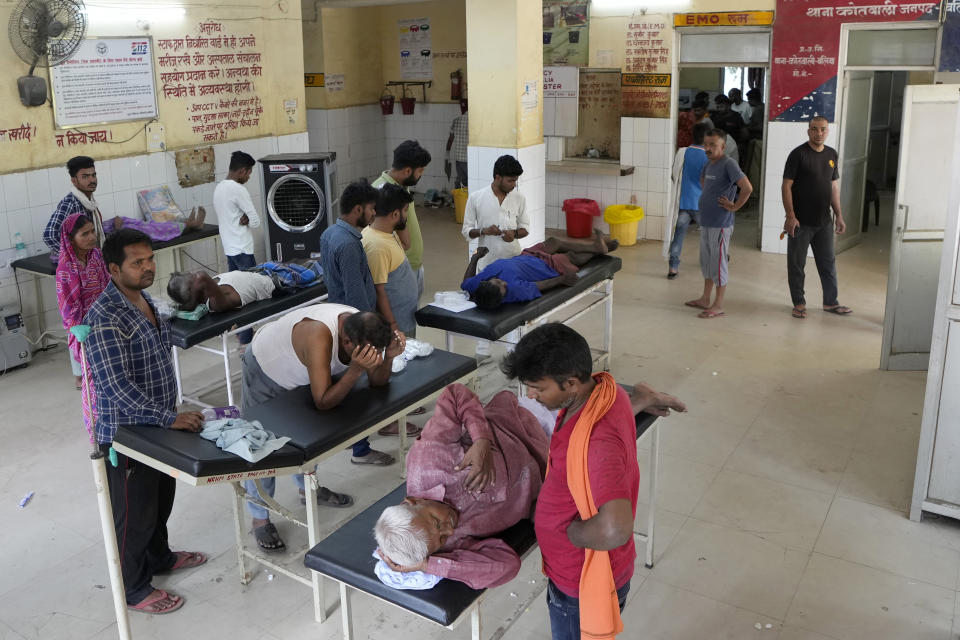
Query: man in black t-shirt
column 810, row 189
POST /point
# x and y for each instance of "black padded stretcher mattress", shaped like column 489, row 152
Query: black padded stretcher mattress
column 494, row 324
column 314, row 432
column 191, row 454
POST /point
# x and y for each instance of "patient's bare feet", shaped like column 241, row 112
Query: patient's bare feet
column 117, row 223
column 195, row 219
column 600, row 245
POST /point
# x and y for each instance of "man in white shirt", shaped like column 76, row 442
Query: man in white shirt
column 737, row 104
column 236, row 215
column 497, row 217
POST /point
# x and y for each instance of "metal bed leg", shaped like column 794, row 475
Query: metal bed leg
column 475, row 627
column 110, row 542
column 651, row 513
column 239, row 493
column 310, row 494
column 608, row 325
column 226, row 367
column 174, row 353
column 402, row 432
column 345, row 612
column 449, row 341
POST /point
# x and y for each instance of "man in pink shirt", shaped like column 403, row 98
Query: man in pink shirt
column 473, row 472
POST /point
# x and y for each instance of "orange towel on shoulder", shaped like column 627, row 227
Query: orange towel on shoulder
column 599, row 606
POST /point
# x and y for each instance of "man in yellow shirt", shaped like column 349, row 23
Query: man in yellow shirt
column 409, row 162
column 393, row 277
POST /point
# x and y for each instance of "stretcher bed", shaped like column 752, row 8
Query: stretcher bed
column 594, row 286
column 191, row 333
column 345, row 556
column 40, row 264
column 315, row 436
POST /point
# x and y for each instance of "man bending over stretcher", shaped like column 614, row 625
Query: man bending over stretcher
column 525, row 277
column 473, row 472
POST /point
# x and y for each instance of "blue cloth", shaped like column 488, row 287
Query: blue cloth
column 519, row 272
column 130, row 361
column 345, row 268
column 291, row 274
column 249, row 440
column 719, row 179
column 565, row 611
column 51, row 233
column 242, row 262
column 693, row 162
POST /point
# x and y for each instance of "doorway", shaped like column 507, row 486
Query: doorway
column 883, row 119
column 716, row 61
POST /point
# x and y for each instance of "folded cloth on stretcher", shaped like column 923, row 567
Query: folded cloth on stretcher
column 249, row 440
column 415, row 580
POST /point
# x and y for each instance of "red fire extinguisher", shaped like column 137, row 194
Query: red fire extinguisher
column 456, row 84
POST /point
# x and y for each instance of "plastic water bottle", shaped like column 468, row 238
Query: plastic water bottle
column 220, row 413
column 20, row 249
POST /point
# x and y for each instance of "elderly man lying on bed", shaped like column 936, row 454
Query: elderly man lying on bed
column 525, row 277
column 222, row 292
column 474, row 472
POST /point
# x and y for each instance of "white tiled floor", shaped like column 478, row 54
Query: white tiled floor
column 782, row 497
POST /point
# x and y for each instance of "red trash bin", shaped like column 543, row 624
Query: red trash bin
column 580, row 213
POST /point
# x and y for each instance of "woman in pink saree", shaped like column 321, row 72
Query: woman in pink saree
column 81, row 277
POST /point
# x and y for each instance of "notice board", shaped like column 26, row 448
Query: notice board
column 599, row 118
column 105, row 80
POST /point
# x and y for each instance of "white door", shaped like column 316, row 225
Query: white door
column 924, row 182
column 936, row 485
column 854, row 152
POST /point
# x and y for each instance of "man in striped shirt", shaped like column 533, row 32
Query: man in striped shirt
column 128, row 351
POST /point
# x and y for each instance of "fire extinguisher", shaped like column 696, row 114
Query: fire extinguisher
column 456, row 84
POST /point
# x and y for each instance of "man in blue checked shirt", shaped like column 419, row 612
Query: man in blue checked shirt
column 128, row 351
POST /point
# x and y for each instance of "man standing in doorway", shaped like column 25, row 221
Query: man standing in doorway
column 810, row 190
column 719, row 180
column 409, row 162
column 459, row 132
column 686, row 190
column 83, row 177
column 236, row 215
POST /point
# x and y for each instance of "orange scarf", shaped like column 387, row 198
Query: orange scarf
column 599, row 606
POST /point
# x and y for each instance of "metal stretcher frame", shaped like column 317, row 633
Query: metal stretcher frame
column 236, row 479
column 645, row 423
column 224, row 352
column 312, row 524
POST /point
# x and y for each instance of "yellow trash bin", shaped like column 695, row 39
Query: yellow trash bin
column 460, row 203
column 623, row 220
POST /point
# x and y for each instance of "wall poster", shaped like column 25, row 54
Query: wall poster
column 106, row 80
column 565, row 28
column 416, row 50
column 806, row 49
column 646, row 88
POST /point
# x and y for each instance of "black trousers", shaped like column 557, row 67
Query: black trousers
column 820, row 239
column 142, row 499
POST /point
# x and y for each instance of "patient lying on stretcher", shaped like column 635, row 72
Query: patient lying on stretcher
column 525, row 277
column 222, row 292
column 474, row 471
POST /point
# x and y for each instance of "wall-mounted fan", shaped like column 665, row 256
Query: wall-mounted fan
column 44, row 33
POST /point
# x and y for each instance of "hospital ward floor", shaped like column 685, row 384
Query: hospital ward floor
column 781, row 510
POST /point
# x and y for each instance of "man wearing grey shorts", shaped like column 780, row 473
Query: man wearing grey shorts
column 720, row 178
